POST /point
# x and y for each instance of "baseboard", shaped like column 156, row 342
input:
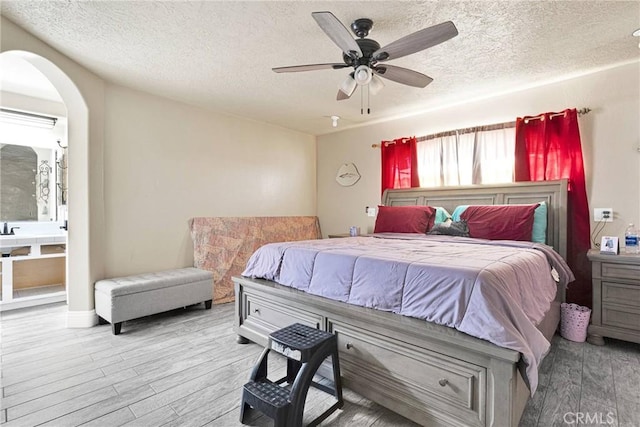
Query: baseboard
column 81, row 319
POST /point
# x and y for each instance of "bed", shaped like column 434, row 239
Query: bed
column 430, row 373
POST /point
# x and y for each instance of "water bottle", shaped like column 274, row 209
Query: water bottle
column 631, row 240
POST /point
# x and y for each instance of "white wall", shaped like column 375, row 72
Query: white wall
column 610, row 138
column 166, row 162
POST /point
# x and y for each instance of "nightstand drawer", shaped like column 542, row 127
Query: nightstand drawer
column 620, row 271
column 621, row 293
column 620, row 316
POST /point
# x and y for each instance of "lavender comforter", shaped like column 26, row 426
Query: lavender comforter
column 494, row 290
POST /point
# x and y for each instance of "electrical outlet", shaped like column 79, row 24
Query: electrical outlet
column 371, row 211
column 602, row 215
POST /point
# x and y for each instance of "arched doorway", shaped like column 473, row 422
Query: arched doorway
column 79, row 274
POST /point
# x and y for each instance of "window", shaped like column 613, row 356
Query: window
column 477, row 157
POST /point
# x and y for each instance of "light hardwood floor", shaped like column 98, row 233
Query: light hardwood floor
column 184, row 368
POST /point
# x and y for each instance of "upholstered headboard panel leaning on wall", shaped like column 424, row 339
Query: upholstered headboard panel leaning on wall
column 223, row 245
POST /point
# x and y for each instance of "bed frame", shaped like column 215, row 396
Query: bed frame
column 431, row 374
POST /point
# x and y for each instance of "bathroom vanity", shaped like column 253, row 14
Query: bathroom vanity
column 33, row 269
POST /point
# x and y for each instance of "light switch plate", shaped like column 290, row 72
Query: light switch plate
column 602, row 215
column 371, row 211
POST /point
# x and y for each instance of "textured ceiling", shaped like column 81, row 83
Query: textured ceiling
column 219, row 54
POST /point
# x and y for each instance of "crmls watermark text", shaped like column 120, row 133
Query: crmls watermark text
column 590, row 418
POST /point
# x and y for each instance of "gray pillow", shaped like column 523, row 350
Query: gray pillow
column 452, row 228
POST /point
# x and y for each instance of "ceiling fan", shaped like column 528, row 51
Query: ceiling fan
column 367, row 58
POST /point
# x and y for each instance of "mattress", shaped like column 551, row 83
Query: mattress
column 498, row 291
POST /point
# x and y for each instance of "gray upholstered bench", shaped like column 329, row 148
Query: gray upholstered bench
column 131, row 297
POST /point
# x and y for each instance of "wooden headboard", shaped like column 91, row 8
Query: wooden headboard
column 554, row 193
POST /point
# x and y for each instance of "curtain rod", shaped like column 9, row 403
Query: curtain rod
column 581, row 112
column 505, row 125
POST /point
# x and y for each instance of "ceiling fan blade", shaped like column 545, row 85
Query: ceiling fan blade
column 310, row 67
column 415, row 42
column 402, row 75
column 338, row 33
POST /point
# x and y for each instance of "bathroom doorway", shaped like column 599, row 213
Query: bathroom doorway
column 33, row 187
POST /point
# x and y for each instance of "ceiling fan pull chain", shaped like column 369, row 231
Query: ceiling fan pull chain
column 368, row 100
column 361, row 100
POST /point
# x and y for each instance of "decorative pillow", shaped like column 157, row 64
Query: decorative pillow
column 451, row 228
column 455, row 216
column 404, row 219
column 539, row 231
column 500, row 222
column 441, row 215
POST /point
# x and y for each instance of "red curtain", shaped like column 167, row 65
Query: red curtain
column 548, row 147
column 399, row 163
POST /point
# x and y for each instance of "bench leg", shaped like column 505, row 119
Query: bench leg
column 207, row 304
column 116, row 327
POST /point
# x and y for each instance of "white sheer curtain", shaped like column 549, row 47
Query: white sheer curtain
column 466, row 148
column 480, row 157
column 496, row 155
column 429, row 163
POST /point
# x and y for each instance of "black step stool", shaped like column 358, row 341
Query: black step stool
column 305, row 349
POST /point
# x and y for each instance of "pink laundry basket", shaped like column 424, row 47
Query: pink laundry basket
column 574, row 321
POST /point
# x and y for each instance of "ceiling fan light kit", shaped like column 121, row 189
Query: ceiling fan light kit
column 348, row 86
column 365, row 55
column 376, row 85
column 363, row 75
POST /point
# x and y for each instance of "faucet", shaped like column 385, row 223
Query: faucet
column 6, row 232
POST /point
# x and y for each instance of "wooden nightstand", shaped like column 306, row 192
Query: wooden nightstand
column 337, row 236
column 616, row 297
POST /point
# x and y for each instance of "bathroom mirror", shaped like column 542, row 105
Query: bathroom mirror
column 18, row 171
column 31, row 183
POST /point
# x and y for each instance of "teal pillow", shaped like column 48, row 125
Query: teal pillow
column 539, row 231
column 455, row 216
column 441, row 215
